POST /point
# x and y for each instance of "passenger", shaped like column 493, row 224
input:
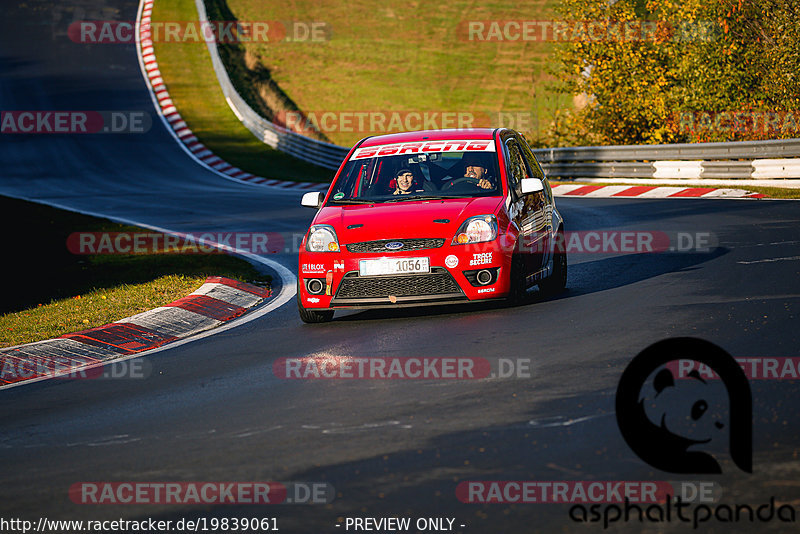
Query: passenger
column 404, row 180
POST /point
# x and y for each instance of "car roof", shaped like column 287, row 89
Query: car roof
column 430, row 135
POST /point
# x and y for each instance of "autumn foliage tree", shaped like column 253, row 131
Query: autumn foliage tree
column 665, row 71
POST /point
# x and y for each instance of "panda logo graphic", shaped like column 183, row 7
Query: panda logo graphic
column 672, row 423
column 684, row 408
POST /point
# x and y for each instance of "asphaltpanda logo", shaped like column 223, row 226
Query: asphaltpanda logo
column 685, row 424
column 680, row 422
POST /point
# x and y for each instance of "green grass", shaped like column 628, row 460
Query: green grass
column 193, row 86
column 54, row 292
column 407, row 56
column 774, row 192
column 392, row 56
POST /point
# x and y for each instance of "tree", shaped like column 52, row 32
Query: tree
column 664, row 71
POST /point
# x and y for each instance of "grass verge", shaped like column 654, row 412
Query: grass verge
column 400, row 56
column 391, row 59
column 55, row 292
column 193, row 86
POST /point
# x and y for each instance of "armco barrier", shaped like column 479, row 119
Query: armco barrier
column 741, row 160
column 744, row 160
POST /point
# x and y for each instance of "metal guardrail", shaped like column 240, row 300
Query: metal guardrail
column 781, row 148
column 748, row 159
column 742, row 160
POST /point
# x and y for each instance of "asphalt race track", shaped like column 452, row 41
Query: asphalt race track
column 213, row 410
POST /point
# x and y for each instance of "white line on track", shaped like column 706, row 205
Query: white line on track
column 770, row 260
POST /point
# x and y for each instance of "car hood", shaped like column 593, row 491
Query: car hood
column 408, row 219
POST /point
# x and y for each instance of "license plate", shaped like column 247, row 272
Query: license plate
column 393, row 266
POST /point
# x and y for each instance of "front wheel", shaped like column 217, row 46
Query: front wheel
column 517, row 292
column 557, row 281
column 312, row 316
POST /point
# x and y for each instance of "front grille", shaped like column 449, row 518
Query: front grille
column 408, row 244
column 437, row 282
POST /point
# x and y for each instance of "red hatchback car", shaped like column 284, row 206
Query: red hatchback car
column 431, row 217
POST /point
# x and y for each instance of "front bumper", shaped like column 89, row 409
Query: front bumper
column 453, row 277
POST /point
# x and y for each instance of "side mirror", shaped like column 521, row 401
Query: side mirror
column 531, row 185
column 313, row 200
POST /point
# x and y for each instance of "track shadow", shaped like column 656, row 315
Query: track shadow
column 629, row 212
column 565, row 437
column 584, row 278
column 618, row 271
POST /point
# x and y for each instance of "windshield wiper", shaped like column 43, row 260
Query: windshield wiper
column 353, row 201
column 401, row 198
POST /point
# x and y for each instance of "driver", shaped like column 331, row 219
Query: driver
column 475, row 170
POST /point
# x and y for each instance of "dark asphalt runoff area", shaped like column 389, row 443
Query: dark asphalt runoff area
column 214, row 410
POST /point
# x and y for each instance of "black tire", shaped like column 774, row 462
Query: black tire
column 517, row 293
column 557, row 281
column 312, row 316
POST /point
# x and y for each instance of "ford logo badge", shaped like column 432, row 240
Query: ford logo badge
column 394, row 245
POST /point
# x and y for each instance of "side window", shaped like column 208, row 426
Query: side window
column 536, row 169
column 516, row 167
column 533, row 163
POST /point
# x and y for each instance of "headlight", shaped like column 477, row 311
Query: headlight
column 322, row 238
column 476, row 230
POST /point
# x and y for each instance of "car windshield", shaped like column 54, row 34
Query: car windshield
column 410, row 171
